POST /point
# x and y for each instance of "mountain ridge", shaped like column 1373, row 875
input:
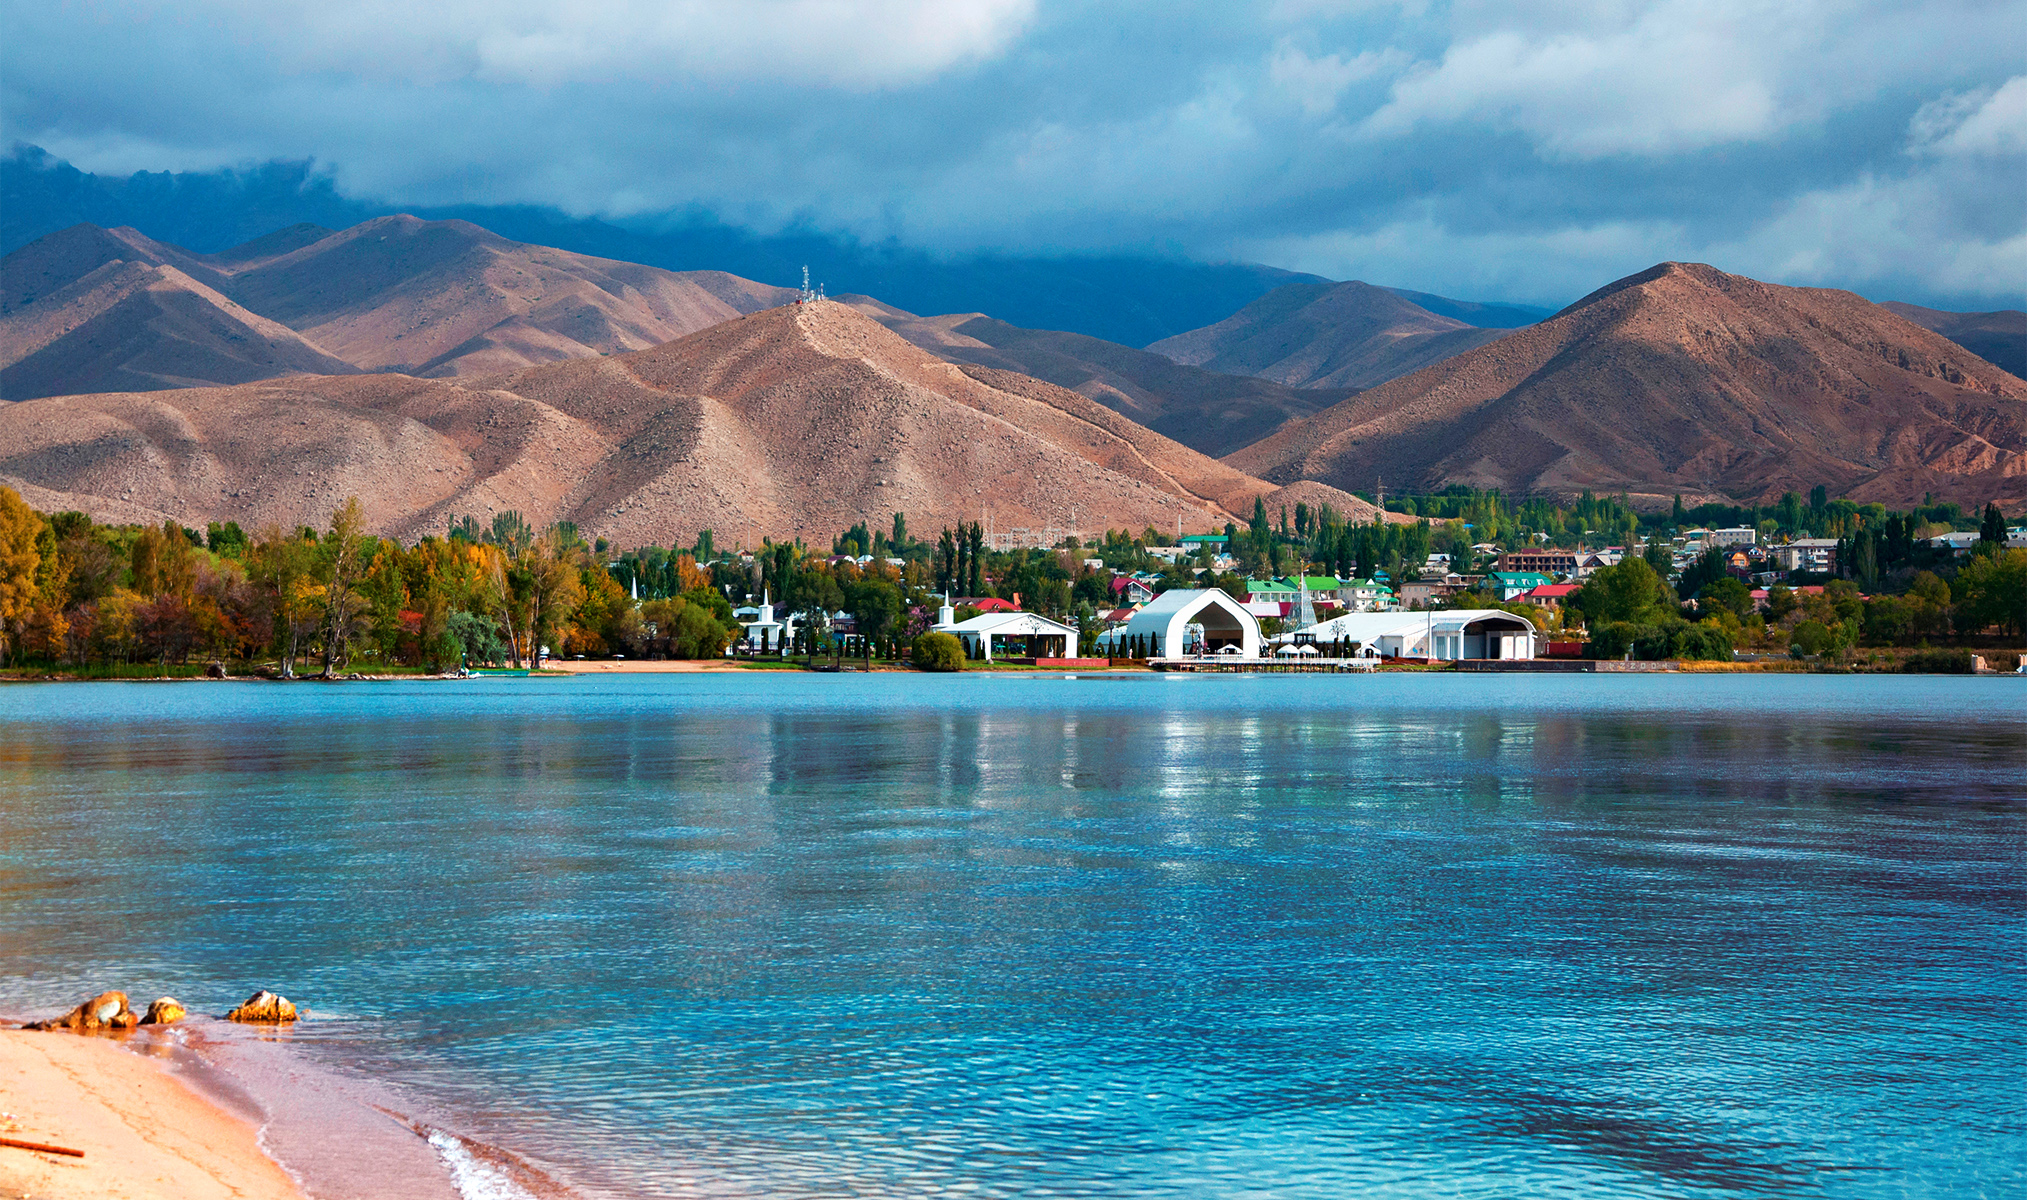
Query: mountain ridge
column 1684, row 378
column 794, row 421
column 1346, row 335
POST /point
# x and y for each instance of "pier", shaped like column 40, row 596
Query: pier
column 1233, row 664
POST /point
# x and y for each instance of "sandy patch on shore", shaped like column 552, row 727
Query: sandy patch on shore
column 146, row 1136
column 639, row 666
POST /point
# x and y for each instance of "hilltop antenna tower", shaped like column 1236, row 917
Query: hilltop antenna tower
column 806, row 296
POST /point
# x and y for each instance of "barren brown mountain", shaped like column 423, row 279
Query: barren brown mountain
column 796, row 421
column 1685, row 378
column 1317, row 335
column 443, row 298
column 2000, row 338
column 1204, row 410
column 131, row 327
column 433, row 298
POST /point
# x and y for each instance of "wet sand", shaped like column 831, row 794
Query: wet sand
column 144, row 1133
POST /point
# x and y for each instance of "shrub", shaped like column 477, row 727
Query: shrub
column 939, row 652
column 1938, row 662
column 1811, row 638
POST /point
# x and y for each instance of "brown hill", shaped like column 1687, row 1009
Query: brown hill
column 443, row 298
column 434, row 298
column 793, row 421
column 1206, row 411
column 52, row 263
column 2000, row 338
column 1316, row 335
column 1685, row 378
column 133, row 326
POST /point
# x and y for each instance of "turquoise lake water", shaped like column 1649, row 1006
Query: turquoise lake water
column 1140, row 937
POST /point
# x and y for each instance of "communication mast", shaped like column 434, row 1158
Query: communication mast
column 806, row 296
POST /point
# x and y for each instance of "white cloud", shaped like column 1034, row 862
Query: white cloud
column 862, row 44
column 1317, row 83
column 1678, row 76
column 1985, row 123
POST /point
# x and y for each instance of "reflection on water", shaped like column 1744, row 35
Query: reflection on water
column 1162, row 938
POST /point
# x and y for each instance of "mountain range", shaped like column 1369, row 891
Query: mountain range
column 89, row 309
column 1128, row 298
column 448, row 370
column 1683, row 379
column 1307, row 335
column 795, row 421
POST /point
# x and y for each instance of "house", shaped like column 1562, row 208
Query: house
column 1738, row 535
column 1034, row 634
column 1508, row 584
column 1421, row 592
column 1269, row 589
column 1805, row 554
column 1459, row 633
column 1197, row 541
column 1185, row 621
column 1547, row 561
column 1367, row 595
column 1129, row 590
column 985, row 604
column 1549, row 595
column 1592, row 561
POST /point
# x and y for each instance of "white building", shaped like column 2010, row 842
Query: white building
column 1195, row 621
column 763, row 632
column 1460, row 633
column 1738, row 535
column 1035, row 630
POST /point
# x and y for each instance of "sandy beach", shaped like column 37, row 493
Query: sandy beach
column 145, row 1135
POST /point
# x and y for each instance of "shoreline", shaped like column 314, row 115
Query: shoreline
column 208, row 1110
column 136, row 1122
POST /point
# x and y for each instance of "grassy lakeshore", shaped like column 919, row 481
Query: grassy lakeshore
column 145, row 1135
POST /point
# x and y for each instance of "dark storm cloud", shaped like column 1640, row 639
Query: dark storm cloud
column 1466, row 148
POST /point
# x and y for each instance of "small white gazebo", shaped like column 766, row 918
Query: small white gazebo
column 978, row 633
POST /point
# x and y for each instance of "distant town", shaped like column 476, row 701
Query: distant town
column 1464, row 578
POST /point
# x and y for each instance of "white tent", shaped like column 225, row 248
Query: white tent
column 1164, row 624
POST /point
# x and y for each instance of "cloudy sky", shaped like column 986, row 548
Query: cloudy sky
column 1488, row 150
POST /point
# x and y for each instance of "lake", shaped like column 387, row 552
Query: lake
column 1129, row 936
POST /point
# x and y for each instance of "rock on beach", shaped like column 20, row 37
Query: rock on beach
column 263, row 1007
column 107, row 1010
column 166, row 1010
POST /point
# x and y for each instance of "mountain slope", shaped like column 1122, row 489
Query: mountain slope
column 1129, row 299
column 795, row 421
column 133, row 326
column 1208, row 412
column 1345, row 335
column 427, row 298
column 440, row 298
column 2000, row 338
column 1684, row 378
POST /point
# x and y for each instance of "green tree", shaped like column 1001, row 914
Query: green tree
column 1659, row 556
column 1629, row 591
column 1728, row 594
column 1992, row 591
column 1992, row 531
column 344, row 549
column 938, row 652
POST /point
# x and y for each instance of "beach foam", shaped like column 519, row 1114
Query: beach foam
column 473, row 1178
